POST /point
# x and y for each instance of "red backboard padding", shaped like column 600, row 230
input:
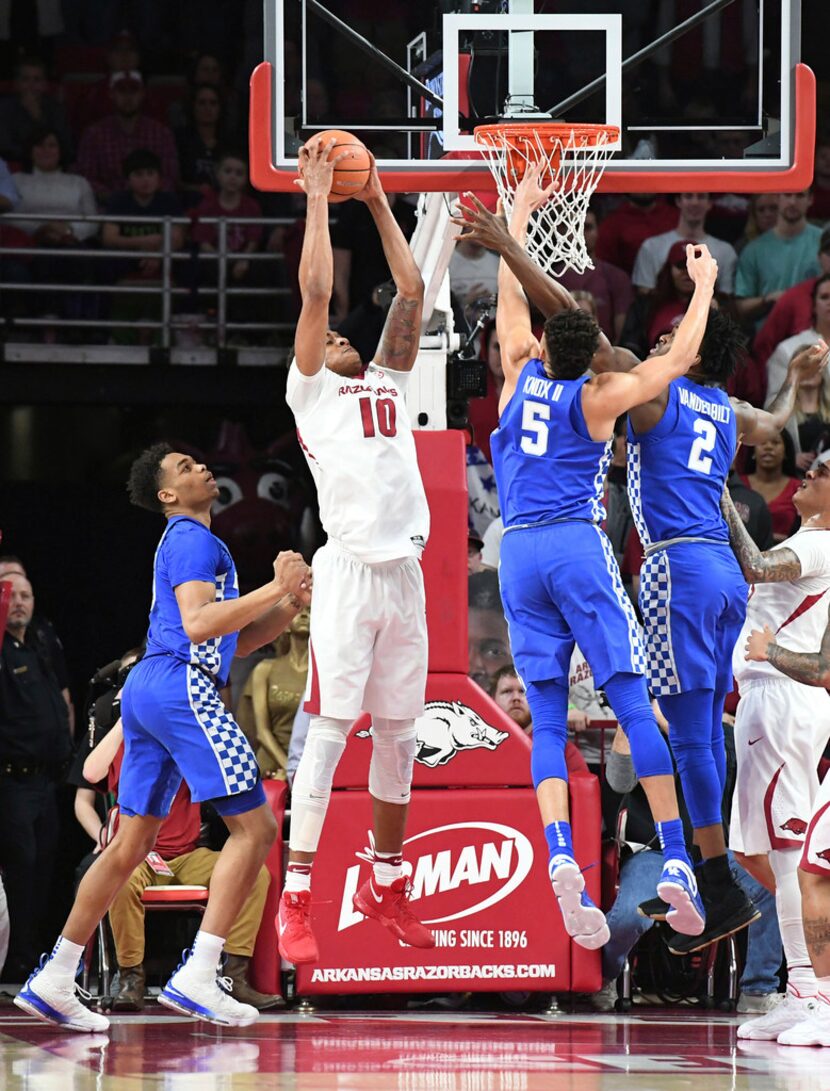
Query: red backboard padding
column 443, row 464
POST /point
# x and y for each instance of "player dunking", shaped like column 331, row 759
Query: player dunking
column 782, row 726
column 176, row 726
column 368, row 646
column 559, row 578
column 681, row 444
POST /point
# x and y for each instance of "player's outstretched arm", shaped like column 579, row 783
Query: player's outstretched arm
column 611, row 394
column 810, row 668
column 398, row 348
column 757, row 425
column 203, row 618
column 316, row 262
column 772, row 566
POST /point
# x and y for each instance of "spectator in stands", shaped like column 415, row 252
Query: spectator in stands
column 177, row 859
column 753, row 510
column 475, row 544
column 508, row 691
column 691, row 227
column 778, row 259
column 488, row 642
column 473, row 277
column 35, row 744
column 28, row 28
column 359, row 261
column 623, row 231
column 793, row 312
column 650, row 316
column 484, row 412
column 610, row 286
column 208, row 70
column 814, row 325
column 198, row 142
column 820, row 208
column 618, row 519
column 30, row 108
column 762, row 214
column 9, row 197
column 143, row 197
column 772, row 472
column 588, row 705
column 491, row 549
column 105, row 145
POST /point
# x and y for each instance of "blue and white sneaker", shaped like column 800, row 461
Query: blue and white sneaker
column 584, row 923
column 189, row 994
column 52, row 999
column 678, row 887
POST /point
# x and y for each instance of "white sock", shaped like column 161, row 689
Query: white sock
column 823, row 989
column 297, row 878
column 800, row 977
column 63, row 962
column 207, row 950
column 387, row 867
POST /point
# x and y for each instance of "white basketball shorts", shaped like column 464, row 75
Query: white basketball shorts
column 781, row 729
column 368, row 646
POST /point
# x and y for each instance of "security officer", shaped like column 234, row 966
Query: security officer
column 34, row 748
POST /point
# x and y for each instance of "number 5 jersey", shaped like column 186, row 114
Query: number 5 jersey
column 357, row 438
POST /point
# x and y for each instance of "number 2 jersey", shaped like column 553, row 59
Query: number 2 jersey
column 548, row 469
column 356, row 435
column 678, row 469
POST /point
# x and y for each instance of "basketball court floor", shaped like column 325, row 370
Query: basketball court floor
column 646, row 1050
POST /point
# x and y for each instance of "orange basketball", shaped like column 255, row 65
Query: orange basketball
column 350, row 174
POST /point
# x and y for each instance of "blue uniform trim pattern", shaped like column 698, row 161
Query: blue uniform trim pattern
column 634, row 486
column 655, row 603
column 638, row 652
column 232, row 750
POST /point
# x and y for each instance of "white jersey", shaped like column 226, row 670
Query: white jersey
column 357, row 439
column 795, row 610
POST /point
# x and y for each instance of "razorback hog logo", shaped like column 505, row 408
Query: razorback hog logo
column 447, row 727
column 795, row 825
column 824, row 855
column 456, row 870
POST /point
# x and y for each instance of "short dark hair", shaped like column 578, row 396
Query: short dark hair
column 140, row 159
column 231, row 153
column 723, row 347
column 572, row 338
column 507, row 671
column 483, row 591
column 36, row 136
column 144, row 482
column 10, row 558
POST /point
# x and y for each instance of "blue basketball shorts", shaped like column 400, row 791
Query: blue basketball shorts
column 693, row 600
column 560, row 585
column 176, row 727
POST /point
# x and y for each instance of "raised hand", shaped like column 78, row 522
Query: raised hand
column 530, row 193
column 293, row 575
column 316, row 169
column 809, row 361
column 373, row 188
column 701, row 267
column 480, row 225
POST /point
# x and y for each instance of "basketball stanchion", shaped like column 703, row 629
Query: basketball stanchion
column 573, row 158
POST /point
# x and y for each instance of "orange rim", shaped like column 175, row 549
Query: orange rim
column 547, row 132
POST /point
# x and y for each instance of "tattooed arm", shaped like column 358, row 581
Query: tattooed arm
column 773, row 566
column 811, row 668
column 402, row 330
column 757, row 425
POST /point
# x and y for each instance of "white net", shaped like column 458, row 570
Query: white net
column 574, row 157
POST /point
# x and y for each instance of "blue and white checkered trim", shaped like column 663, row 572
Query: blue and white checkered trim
column 634, row 486
column 231, row 749
column 655, row 604
column 207, row 653
column 598, row 512
column 638, row 655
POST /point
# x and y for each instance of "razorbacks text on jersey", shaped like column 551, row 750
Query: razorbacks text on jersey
column 547, row 466
column 678, row 469
column 357, row 439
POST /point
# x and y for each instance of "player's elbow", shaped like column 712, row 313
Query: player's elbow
column 411, row 286
column 196, row 631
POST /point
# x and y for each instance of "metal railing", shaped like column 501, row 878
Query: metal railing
column 219, row 292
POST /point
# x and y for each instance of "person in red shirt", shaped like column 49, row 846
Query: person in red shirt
column 177, row 858
column 771, row 471
column 610, row 286
column 623, row 231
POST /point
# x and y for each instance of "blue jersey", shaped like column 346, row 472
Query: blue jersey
column 677, row 471
column 547, row 466
column 189, row 551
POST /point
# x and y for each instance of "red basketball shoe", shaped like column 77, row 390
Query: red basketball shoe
column 390, row 906
column 296, row 940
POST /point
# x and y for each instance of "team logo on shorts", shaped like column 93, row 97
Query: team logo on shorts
column 447, row 727
column 795, row 825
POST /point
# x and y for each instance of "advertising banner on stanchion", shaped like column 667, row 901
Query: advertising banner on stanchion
column 478, row 865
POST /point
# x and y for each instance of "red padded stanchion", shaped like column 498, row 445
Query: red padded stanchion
column 265, row 964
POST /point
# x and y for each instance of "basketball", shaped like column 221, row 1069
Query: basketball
column 352, row 174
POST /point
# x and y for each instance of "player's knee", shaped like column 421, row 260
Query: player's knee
column 394, row 744
column 324, row 746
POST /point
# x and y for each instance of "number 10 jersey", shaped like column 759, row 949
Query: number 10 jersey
column 677, row 470
column 356, row 436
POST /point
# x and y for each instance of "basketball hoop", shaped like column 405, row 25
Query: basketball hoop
column 573, row 158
